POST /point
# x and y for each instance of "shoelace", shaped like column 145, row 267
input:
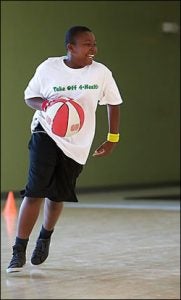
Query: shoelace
column 17, row 255
column 41, row 246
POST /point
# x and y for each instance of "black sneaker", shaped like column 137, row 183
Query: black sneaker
column 41, row 251
column 18, row 260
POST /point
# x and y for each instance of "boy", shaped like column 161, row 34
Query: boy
column 56, row 162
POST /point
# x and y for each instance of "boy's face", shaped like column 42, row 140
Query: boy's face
column 83, row 50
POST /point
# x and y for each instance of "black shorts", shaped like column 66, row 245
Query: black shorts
column 51, row 173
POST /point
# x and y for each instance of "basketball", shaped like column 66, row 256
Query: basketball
column 64, row 117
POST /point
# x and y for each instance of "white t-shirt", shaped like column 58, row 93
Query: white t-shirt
column 89, row 86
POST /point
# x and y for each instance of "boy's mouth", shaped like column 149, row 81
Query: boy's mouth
column 91, row 56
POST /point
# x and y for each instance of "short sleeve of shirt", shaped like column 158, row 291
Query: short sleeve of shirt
column 34, row 87
column 111, row 94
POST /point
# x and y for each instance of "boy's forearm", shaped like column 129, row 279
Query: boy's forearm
column 35, row 103
column 113, row 118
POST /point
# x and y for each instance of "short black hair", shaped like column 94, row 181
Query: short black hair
column 73, row 31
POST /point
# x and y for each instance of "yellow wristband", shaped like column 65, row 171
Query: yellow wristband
column 113, row 137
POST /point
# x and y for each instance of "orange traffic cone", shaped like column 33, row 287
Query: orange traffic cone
column 10, row 205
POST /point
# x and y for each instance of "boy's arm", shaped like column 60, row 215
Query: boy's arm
column 39, row 103
column 35, row 103
column 113, row 122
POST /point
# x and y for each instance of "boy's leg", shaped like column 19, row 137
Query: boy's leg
column 28, row 214
column 52, row 211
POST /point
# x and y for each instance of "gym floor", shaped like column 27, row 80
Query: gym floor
column 104, row 247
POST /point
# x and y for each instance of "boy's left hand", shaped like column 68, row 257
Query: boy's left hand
column 105, row 149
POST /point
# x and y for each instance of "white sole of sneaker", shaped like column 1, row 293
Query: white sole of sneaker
column 13, row 270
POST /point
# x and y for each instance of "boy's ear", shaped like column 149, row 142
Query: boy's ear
column 70, row 47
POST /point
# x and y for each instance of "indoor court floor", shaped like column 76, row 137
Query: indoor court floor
column 101, row 249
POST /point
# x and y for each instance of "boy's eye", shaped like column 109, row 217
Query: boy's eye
column 89, row 45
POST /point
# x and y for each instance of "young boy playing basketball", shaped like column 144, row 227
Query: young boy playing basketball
column 56, row 162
